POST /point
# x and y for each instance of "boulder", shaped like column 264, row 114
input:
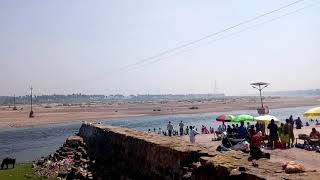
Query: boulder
column 74, row 141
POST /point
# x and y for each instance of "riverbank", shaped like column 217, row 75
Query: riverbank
column 57, row 113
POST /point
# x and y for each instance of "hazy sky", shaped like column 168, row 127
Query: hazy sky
column 72, row 46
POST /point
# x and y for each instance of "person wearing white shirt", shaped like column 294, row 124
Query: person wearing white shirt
column 160, row 131
column 169, row 128
column 192, row 135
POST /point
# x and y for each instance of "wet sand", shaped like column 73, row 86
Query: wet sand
column 310, row 159
column 58, row 113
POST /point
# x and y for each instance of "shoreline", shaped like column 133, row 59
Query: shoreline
column 60, row 115
column 62, row 123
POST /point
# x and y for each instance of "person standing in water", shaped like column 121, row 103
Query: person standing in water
column 181, row 125
column 192, row 135
column 170, row 128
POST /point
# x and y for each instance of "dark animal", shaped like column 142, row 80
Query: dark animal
column 8, row 161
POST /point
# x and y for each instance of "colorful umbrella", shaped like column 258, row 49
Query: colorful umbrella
column 312, row 113
column 243, row 117
column 225, row 118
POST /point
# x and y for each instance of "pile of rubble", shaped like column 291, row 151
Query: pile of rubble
column 70, row 161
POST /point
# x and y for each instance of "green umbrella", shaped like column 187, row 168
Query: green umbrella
column 243, row 117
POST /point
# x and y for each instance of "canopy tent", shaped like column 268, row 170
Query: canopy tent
column 312, row 113
column 242, row 117
column 225, row 118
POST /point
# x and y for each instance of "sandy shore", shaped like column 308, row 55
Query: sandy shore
column 57, row 113
column 310, row 159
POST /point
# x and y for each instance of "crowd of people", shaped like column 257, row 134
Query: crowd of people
column 192, row 131
column 189, row 130
column 183, row 130
column 283, row 136
column 278, row 136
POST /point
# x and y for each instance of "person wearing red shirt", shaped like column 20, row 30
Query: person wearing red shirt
column 255, row 147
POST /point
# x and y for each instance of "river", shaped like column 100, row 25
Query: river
column 28, row 144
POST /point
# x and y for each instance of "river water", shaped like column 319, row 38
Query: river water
column 28, row 144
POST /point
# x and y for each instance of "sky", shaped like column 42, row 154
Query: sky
column 81, row 46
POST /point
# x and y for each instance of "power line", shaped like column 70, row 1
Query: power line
column 227, row 36
column 207, row 36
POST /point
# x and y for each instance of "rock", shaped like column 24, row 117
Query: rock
column 74, row 140
column 293, row 167
column 40, row 162
column 81, row 173
column 83, row 161
column 62, row 174
column 235, row 172
column 204, row 160
column 196, row 165
column 187, row 176
column 71, row 175
column 242, row 169
column 90, row 177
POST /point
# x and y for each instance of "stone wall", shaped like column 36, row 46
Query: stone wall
column 121, row 153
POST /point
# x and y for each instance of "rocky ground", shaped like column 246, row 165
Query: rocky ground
column 70, row 161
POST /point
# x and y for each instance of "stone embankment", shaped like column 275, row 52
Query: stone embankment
column 70, row 161
column 106, row 152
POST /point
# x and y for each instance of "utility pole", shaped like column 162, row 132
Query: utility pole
column 215, row 90
column 14, row 102
column 31, row 109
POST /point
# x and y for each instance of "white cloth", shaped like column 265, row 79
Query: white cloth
column 192, row 136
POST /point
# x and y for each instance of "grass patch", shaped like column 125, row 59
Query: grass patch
column 20, row 172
